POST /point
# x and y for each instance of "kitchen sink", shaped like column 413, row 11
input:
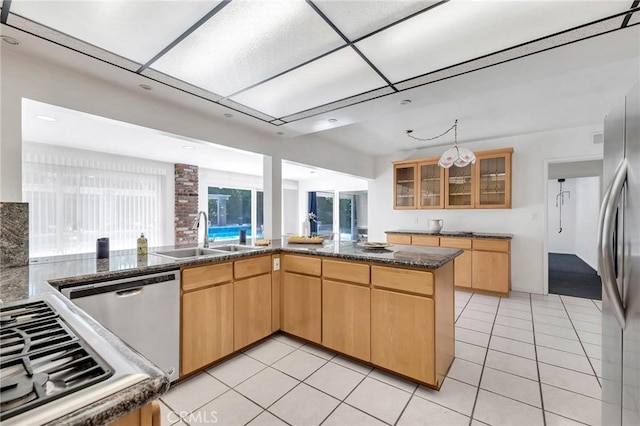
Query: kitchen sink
column 187, row 252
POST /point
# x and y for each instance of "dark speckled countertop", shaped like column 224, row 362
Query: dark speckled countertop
column 46, row 275
column 460, row 234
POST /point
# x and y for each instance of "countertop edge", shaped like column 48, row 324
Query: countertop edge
column 454, row 234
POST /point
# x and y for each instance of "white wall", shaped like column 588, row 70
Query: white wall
column 587, row 212
column 565, row 241
column 526, row 220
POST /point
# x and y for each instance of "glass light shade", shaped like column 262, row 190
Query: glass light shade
column 459, row 157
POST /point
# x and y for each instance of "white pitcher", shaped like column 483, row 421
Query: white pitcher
column 435, row 225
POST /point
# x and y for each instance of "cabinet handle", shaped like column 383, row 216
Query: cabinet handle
column 605, row 247
column 129, row 292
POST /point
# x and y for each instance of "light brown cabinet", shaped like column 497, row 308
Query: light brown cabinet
column 251, row 310
column 207, row 326
column 404, row 188
column 302, row 306
column 422, row 184
column 149, row 415
column 412, row 321
column 484, row 265
column 346, row 307
column 491, row 265
column 402, row 334
column 346, row 318
column 493, row 179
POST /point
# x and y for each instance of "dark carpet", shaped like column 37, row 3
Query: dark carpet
column 570, row 276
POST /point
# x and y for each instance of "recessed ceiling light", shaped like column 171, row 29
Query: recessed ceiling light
column 228, row 115
column 332, row 120
column 46, row 118
column 189, row 147
column 405, row 102
column 145, row 86
column 312, row 172
column 279, row 133
column 10, row 40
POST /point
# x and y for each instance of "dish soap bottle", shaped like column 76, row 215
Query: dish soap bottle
column 142, row 244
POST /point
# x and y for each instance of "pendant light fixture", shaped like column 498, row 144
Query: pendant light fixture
column 456, row 156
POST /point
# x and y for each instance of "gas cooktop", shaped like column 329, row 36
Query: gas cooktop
column 44, row 359
column 41, row 358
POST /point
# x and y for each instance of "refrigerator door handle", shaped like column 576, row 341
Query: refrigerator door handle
column 605, row 248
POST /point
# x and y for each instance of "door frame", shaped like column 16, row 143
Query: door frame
column 545, row 245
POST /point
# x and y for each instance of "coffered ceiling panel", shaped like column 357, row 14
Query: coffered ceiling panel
column 136, row 30
column 332, row 77
column 248, row 42
column 358, row 18
column 462, row 30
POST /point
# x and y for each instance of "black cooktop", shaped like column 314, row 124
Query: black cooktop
column 41, row 358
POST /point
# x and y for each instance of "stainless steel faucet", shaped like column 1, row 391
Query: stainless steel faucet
column 196, row 225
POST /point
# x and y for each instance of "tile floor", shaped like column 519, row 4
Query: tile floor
column 525, row 360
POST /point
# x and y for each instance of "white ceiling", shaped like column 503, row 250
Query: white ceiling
column 284, row 60
column 570, row 85
column 54, row 125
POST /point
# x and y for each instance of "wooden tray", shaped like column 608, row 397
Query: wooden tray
column 305, row 240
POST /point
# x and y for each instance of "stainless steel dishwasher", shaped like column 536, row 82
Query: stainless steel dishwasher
column 143, row 311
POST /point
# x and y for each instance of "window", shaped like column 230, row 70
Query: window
column 76, row 197
column 230, row 211
column 353, row 216
column 325, row 212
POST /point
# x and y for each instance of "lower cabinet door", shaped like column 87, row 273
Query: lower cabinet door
column 403, row 334
column 346, row 318
column 490, row 271
column 207, row 326
column 251, row 310
column 302, row 307
column 462, row 269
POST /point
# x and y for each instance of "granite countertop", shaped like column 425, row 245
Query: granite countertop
column 45, row 276
column 19, row 283
column 460, row 234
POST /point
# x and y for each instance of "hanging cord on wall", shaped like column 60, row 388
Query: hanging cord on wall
column 560, row 201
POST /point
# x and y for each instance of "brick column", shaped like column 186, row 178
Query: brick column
column 186, row 204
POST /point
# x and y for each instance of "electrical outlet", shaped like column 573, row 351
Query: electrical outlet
column 416, row 220
column 276, row 264
column 534, row 216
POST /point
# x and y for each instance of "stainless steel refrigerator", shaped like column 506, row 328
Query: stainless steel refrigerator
column 619, row 263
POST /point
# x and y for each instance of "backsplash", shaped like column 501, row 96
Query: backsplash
column 14, row 234
column 186, row 204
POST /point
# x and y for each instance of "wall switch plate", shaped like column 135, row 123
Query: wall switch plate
column 534, row 216
column 416, row 220
column 276, row 264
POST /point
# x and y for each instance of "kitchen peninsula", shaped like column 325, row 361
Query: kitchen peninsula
column 392, row 308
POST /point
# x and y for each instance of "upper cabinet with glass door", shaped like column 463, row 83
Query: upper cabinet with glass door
column 421, row 184
column 404, row 190
column 493, row 179
column 430, row 185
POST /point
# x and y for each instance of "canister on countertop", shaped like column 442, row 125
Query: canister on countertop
column 102, row 248
column 243, row 236
column 142, row 245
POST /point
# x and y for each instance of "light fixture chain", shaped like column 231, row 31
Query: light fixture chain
column 454, row 127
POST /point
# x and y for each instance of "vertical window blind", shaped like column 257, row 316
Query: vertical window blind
column 76, row 197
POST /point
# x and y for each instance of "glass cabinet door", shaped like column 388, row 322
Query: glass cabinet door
column 493, row 177
column 431, row 186
column 405, row 186
column 459, row 186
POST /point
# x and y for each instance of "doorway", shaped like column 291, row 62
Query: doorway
column 573, row 205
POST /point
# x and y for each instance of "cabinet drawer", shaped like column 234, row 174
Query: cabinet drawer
column 346, row 271
column 463, row 243
column 203, row 276
column 491, row 245
column 303, row 264
column 425, row 240
column 252, row 266
column 399, row 239
column 402, row 279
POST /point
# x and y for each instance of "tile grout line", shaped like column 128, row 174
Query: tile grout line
column 583, row 349
column 486, row 354
column 535, row 349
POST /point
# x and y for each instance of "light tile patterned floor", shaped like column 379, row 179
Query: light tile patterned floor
column 525, row 360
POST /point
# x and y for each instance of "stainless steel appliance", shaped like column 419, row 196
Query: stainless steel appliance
column 143, row 311
column 619, row 263
column 48, row 368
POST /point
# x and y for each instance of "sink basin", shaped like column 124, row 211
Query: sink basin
column 187, row 252
column 232, row 248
